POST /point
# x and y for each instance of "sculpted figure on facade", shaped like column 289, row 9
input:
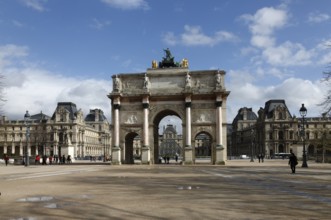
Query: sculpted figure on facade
column 117, row 84
column 188, row 81
column 131, row 120
column 218, row 80
column 146, row 82
column 203, row 117
column 185, row 63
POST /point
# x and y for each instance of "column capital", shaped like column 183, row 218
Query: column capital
column 117, row 106
column 188, row 104
column 218, row 103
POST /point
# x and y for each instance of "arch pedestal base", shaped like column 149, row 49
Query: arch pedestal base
column 116, row 155
column 145, row 155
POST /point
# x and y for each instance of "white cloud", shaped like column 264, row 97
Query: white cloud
column 288, row 54
column 97, row 24
column 193, row 36
column 262, row 41
column 35, row 89
column 169, row 38
column 317, row 17
column 37, row 5
column 266, row 20
column 293, row 90
column 127, row 4
column 263, row 25
column 9, row 54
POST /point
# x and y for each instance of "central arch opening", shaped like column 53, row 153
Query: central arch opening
column 203, row 148
column 168, row 138
column 132, row 148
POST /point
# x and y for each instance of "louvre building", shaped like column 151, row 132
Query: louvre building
column 66, row 132
column 274, row 131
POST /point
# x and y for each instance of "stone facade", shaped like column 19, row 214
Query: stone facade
column 65, row 133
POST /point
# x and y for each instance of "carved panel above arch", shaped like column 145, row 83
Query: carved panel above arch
column 203, row 116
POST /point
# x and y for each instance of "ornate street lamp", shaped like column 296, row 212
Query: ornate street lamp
column 27, row 124
column 253, row 139
column 303, row 113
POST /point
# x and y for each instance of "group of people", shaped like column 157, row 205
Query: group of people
column 57, row 160
column 167, row 159
column 293, row 161
column 260, row 157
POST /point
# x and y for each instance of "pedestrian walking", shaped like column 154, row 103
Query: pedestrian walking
column 37, row 160
column 293, row 161
column 44, row 160
column 50, row 160
column 6, row 158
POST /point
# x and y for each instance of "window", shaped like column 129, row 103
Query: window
column 280, row 115
column 280, row 135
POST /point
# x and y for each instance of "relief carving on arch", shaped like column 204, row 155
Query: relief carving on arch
column 131, row 118
column 203, row 116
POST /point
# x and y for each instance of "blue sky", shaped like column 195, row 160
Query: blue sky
column 67, row 50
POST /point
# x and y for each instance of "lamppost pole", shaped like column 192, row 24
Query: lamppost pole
column 303, row 113
column 27, row 124
column 104, row 148
column 252, row 132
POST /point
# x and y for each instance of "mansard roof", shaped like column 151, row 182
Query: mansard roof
column 69, row 106
column 245, row 114
column 272, row 104
column 39, row 117
column 92, row 116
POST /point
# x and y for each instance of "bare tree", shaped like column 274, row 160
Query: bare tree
column 326, row 104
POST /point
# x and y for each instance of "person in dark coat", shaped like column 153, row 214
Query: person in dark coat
column 6, row 158
column 293, row 161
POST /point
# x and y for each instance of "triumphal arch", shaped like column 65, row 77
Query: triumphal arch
column 141, row 100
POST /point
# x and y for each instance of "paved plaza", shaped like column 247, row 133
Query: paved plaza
column 238, row 190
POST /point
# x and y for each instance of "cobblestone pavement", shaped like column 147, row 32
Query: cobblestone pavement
column 238, row 190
